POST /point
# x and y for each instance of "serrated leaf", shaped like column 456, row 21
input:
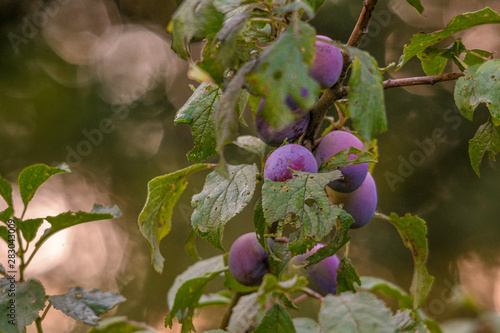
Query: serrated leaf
column 29, row 300
column 6, row 191
column 486, row 139
column 251, row 144
column 476, row 56
column 346, row 276
column 199, row 113
column 185, row 293
column 341, row 159
column 366, row 95
column 194, row 19
column 421, row 41
column 86, row 305
column 306, row 325
column 374, row 284
column 360, row 312
column 282, row 71
column 417, row 5
column 155, row 220
column 121, row 325
column 433, row 61
column 190, row 246
column 220, row 200
column 276, row 320
column 413, row 231
column 29, row 228
column 33, row 176
column 69, row 219
column 246, row 314
column 406, row 321
column 301, row 202
column 270, row 284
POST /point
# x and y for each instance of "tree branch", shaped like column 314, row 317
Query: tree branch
column 321, row 108
column 419, row 80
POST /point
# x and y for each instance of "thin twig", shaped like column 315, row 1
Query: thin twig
column 234, row 300
column 361, row 27
column 419, row 80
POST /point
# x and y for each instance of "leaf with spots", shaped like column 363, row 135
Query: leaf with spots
column 486, row 139
column 188, row 287
column 276, row 320
column 360, row 312
column 281, row 71
column 199, row 113
column 346, row 276
column 221, row 199
column 302, row 203
column 413, row 230
column 86, row 305
column 33, row 176
column 422, row 41
column 155, row 220
column 29, row 300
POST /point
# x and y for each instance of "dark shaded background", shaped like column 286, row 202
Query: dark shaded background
column 67, row 65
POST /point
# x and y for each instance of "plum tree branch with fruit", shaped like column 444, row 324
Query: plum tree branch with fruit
column 311, row 191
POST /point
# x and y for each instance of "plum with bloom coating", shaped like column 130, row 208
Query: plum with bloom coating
column 248, row 261
column 327, row 64
column 292, row 156
column 322, row 276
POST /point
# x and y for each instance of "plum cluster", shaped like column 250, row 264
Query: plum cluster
column 325, row 69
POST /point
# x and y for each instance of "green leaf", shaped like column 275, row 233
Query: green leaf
column 306, row 325
column 259, row 222
column 193, row 19
column 199, row 113
column 29, row 228
column 155, row 220
column 413, row 231
column 487, row 87
column 276, row 320
column 251, row 144
column 33, row 176
column 4, row 233
column 2, row 270
column 121, row 325
column 246, row 314
column 270, row 284
column 6, row 214
column 346, row 276
column 188, row 288
column 220, row 200
column 225, row 6
column 341, row 238
column 28, row 300
column 282, row 71
column 360, row 312
column 190, row 246
column 341, row 159
column 6, row 191
column 314, row 4
column 86, row 305
column 417, row 5
column 69, row 219
column 374, row 284
column 422, row 41
column 301, row 202
column 486, row 139
column 214, row 299
column 407, row 321
column 465, row 93
column 476, row 56
column 366, row 95
column 297, row 7
column 433, row 61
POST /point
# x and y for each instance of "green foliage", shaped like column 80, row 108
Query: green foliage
column 486, row 139
column 276, row 320
column 155, row 218
column 86, row 305
column 29, row 227
column 420, row 42
column 120, row 325
column 33, row 176
column 220, row 200
column 366, row 95
column 199, row 113
column 387, row 288
column 301, row 202
column 413, row 231
column 306, row 325
column 6, row 191
column 29, row 300
column 346, row 276
column 341, row 159
column 252, row 144
column 417, row 5
column 282, row 71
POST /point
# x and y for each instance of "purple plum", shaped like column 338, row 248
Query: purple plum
column 353, row 175
column 248, row 261
column 291, row 156
column 361, row 203
column 327, row 64
column 322, row 276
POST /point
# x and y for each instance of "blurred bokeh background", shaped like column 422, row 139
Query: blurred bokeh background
column 69, row 68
